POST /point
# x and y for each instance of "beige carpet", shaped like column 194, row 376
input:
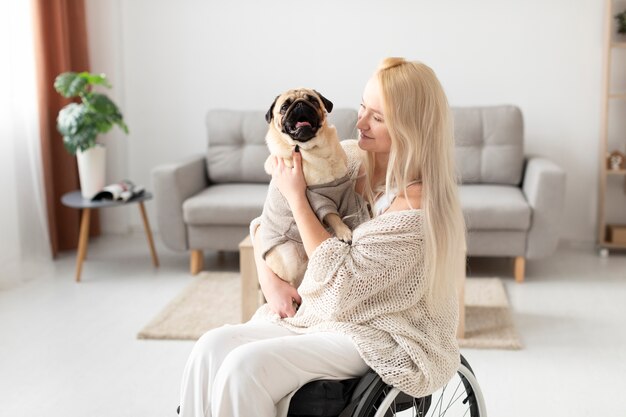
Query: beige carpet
column 488, row 321
column 213, row 299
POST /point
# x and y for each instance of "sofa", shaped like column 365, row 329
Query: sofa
column 511, row 202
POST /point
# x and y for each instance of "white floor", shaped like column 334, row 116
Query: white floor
column 70, row 349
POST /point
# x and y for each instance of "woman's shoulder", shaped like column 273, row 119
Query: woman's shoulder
column 394, row 225
column 412, row 199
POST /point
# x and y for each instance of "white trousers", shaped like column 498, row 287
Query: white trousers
column 253, row 369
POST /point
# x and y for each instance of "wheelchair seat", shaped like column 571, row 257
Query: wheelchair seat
column 322, row 398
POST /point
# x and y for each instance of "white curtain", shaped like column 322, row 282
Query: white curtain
column 24, row 242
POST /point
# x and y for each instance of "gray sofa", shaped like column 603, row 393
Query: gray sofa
column 512, row 203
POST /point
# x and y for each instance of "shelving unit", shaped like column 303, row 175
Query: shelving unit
column 612, row 45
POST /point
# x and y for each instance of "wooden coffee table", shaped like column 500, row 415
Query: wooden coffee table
column 75, row 199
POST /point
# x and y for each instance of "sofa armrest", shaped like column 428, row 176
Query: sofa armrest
column 543, row 186
column 173, row 184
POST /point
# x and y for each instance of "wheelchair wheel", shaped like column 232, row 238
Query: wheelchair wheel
column 461, row 396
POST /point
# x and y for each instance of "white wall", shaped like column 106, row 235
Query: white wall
column 172, row 60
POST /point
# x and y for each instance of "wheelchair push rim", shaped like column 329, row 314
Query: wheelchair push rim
column 459, row 397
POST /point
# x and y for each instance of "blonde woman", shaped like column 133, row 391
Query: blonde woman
column 387, row 301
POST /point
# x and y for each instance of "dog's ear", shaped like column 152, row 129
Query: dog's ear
column 327, row 103
column 270, row 113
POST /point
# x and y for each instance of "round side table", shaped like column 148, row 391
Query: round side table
column 75, row 199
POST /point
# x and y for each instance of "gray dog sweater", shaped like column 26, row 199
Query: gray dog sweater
column 337, row 197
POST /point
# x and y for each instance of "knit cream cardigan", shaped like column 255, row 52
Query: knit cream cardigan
column 375, row 291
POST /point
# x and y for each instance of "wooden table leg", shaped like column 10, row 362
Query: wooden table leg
column 249, row 280
column 83, row 240
column 146, row 226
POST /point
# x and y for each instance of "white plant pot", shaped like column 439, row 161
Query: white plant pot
column 91, row 170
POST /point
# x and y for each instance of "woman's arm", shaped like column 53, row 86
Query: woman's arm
column 292, row 186
column 279, row 294
column 385, row 255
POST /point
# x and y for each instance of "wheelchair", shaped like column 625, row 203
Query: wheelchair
column 369, row 396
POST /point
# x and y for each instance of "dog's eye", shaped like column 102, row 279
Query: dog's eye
column 284, row 107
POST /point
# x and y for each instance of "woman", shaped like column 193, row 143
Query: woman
column 386, row 301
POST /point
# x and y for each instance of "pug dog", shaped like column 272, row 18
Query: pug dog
column 298, row 117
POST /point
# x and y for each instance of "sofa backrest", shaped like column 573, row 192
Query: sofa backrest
column 236, row 143
column 489, row 144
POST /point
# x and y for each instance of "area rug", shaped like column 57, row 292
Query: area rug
column 488, row 320
column 213, row 299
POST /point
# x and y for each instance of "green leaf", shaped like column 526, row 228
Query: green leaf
column 101, row 122
column 83, row 140
column 100, row 103
column 79, row 127
column 86, row 137
column 70, row 145
column 63, row 81
column 71, row 118
column 95, row 79
column 122, row 125
column 70, row 84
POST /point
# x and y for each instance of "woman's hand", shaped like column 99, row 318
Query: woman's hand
column 292, row 185
column 290, row 181
column 280, row 296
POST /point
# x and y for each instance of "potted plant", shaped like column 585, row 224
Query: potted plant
column 81, row 123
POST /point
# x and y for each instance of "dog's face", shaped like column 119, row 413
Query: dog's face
column 299, row 113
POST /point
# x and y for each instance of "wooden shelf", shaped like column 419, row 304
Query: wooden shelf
column 612, row 41
column 613, row 232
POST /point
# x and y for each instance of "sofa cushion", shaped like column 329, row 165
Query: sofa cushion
column 236, row 143
column 496, row 242
column 494, row 207
column 489, row 145
column 237, row 149
column 225, row 204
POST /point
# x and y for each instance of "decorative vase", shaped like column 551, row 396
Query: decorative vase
column 91, row 170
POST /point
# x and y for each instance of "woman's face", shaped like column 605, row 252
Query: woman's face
column 373, row 133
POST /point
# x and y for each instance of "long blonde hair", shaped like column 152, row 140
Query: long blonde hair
column 417, row 116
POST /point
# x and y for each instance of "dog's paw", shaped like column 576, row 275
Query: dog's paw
column 344, row 234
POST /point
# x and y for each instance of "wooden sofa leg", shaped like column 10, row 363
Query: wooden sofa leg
column 196, row 261
column 520, row 263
